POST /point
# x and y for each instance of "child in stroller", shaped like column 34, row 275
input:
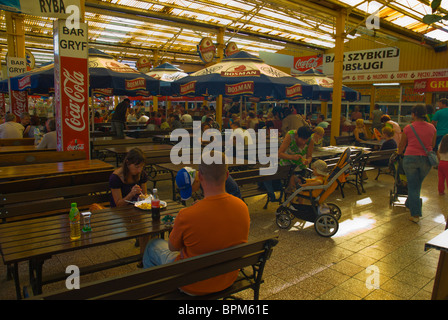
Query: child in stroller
column 325, row 216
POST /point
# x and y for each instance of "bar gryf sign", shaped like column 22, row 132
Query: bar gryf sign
column 71, row 87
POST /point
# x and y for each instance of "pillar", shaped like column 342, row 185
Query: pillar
column 155, row 103
column 219, row 111
column 220, row 42
column 337, row 86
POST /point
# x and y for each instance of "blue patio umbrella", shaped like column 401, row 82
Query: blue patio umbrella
column 104, row 73
column 166, row 73
column 242, row 74
column 322, row 86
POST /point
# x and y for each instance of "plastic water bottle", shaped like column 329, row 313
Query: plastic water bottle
column 75, row 222
column 155, row 206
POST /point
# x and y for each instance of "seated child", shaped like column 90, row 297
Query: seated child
column 318, row 136
column 320, row 172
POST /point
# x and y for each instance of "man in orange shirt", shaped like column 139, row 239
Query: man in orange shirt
column 216, row 222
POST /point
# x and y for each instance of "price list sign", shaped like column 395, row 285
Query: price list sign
column 71, row 87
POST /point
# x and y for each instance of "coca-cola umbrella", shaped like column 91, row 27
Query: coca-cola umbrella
column 105, row 74
column 167, row 74
column 242, row 74
column 322, row 86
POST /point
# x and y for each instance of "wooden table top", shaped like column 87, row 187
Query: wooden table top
column 440, row 242
column 43, row 237
column 53, row 168
column 21, row 149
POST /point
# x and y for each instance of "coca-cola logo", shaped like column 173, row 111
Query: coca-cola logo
column 308, row 62
column 19, row 102
column 73, row 89
column 418, row 85
column 75, row 144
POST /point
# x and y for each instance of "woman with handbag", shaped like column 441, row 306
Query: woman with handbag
column 416, row 163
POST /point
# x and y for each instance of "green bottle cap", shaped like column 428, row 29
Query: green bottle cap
column 74, row 204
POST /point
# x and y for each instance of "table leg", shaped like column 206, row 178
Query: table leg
column 35, row 270
column 17, row 281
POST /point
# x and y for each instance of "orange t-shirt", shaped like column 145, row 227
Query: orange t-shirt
column 214, row 223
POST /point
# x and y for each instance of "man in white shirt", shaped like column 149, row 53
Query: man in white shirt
column 49, row 140
column 186, row 119
column 11, row 129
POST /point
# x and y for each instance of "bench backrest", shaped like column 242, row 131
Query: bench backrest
column 344, row 140
column 54, row 199
column 157, row 281
column 17, row 159
column 17, row 142
column 381, row 154
column 58, row 181
column 99, row 143
column 253, row 175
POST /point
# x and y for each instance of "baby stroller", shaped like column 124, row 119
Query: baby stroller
column 325, row 216
column 400, row 188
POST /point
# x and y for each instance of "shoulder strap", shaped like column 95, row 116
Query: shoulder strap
column 418, row 138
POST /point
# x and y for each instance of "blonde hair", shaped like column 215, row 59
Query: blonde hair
column 319, row 130
column 388, row 131
column 359, row 122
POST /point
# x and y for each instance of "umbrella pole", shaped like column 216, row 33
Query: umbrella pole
column 241, row 107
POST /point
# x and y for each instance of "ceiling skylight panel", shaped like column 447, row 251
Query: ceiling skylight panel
column 404, row 21
column 352, row 3
column 370, row 7
column 236, row 4
column 438, row 34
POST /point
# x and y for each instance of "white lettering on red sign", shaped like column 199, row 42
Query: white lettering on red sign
column 73, row 89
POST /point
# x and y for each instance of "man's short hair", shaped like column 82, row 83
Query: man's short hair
column 10, row 117
column 214, row 173
column 444, row 101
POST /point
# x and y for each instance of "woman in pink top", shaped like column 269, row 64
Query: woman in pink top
column 415, row 162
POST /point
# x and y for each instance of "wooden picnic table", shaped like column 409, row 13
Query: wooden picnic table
column 150, row 150
column 440, row 242
column 20, row 149
column 52, row 168
column 36, row 240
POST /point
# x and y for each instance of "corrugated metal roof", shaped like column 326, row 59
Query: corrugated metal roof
column 129, row 29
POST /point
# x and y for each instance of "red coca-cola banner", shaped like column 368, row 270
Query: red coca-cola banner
column 431, row 85
column 302, row 64
column 19, row 103
column 2, row 103
column 71, row 88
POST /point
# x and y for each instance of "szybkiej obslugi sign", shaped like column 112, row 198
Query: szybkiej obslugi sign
column 71, row 87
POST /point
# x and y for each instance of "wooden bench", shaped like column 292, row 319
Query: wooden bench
column 356, row 176
column 380, row 155
column 162, row 282
column 17, row 142
column 29, row 198
column 16, row 159
column 248, row 181
column 345, row 140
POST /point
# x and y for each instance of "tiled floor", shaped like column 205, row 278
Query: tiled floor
column 305, row 266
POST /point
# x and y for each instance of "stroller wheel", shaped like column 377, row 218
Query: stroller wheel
column 326, row 225
column 335, row 210
column 283, row 220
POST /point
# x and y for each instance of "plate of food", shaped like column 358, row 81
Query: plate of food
column 146, row 204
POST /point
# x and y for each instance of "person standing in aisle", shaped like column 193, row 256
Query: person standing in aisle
column 442, row 154
column 440, row 120
column 119, row 118
column 415, row 161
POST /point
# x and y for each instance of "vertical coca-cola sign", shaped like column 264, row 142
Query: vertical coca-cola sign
column 19, row 103
column 71, row 87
